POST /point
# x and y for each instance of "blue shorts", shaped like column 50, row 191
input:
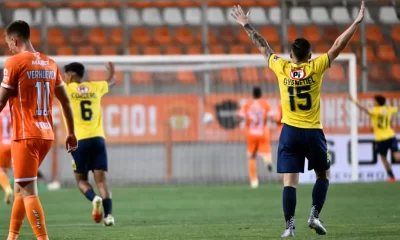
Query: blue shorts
column 382, row 147
column 297, row 144
column 90, row 155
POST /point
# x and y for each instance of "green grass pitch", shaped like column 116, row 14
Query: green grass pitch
column 352, row 211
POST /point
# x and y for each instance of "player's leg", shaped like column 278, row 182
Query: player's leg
column 252, row 148
column 81, row 163
column 5, row 164
column 27, row 156
column 17, row 214
column 382, row 148
column 318, row 160
column 264, row 150
column 290, row 164
column 100, row 166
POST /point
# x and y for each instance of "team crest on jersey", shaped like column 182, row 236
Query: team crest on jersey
column 82, row 89
column 297, row 74
column 276, row 58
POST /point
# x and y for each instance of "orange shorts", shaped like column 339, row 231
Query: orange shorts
column 5, row 156
column 27, row 155
column 259, row 146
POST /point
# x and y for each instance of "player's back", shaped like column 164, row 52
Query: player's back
column 300, row 88
column 85, row 99
column 34, row 77
column 381, row 118
column 255, row 113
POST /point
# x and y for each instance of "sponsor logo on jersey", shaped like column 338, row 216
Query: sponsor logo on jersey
column 82, row 89
column 297, row 74
column 276, row 58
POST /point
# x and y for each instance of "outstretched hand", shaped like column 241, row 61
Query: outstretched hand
column 360, row 15
column 239, row 16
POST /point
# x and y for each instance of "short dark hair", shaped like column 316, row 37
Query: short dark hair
column 257, row 92
column 381, row 100
column 20, row 29
column 301, row 48
column 75, row 67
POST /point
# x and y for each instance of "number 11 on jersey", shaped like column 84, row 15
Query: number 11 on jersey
column 43, row 95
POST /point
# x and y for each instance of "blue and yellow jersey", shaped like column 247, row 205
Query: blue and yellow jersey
column 300, row 90
column 85, row 100
column 380, row 118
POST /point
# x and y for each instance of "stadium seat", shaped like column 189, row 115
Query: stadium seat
column 49, row 17
column 184, row 35
column 250, row 75
column 377, row 73
column 186, row 77
column 133, row 50
column 57, row 38
column 331, row 33
column 374, row 34
column 2, row 39
column 367, row 16
column 109, row 17
column 194, row 50
column 66, row 17
column 258, row 16
column 312, row 34
column 28, row 4
column 396, row 33
column 336, row 73
column 140, row 35
column 151, row 50
column 386, row 53
column 116, row 36
column 98, row 36
column 173, row 50
column 324, row 48
column 395, row 72
column 87, row 17
column 370, row 54
column 276, row 47
column 320, row 15
column 269, row 75
column 152, row 17
column 299, row 15
column 217, row 49
column 211, row 36
column 86, row 51
column 244, row 38
column 141, row 78
column 341, row 15
column 24, row 14
column 237, row 49
column 132, row 17
column 226, row 35
column 101, row 75
column 215, row 16
column 173, row 16
column 192, row 16
column 65, row 51
column 103, row 4
column 140, row 4
column 229, row 75
column 292, row 33
column 387, row 15
column 108, row 50
column 76, row 36
column 274, row 14
column 161, row 35
column 269, row 33
column 36, row 36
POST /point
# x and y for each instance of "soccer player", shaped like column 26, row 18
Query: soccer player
column 278, row 118
column 302, row 136
column 255, row 113
column 91, row 154
column 30, row 81
column 5, row 154
column 385, row 137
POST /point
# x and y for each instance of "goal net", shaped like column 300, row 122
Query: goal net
column 156, row 125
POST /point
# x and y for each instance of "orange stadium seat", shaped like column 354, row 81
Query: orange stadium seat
column 108, row 50
column 250, row 75
column 331, row 33
column 336, row 73
column 140, row 4
column 186, row 77
column 244, row 38
column 211, row 36
column 65, row 51
column 151, row 50
column 98, row 36
column 374, row 34
column 276, row 47
column 194, row 50
column 217, row 49
column 370, row 53
column 394, row 72
column 237, row 49
column 268, row 75
column 2, row 39
column 229, row 75
column 324, row 48
column 133, row 51
column 269, row 33
column 396, row 33
column 386, row 53
column 86, row 50
column 292, row 33
column 226, row 35
column 140, row 36
column 28, row 4
column 219, row 3
column 184, row 35
column 76, row 36
column 116, row 36
column 105, row 4
column 377, row 72
column 36, row 36
column 356, row 37
column 141, row 77
column 173, row 50
column 101, row 75
column 162, row 35
column 57, row 37
column 312, row 34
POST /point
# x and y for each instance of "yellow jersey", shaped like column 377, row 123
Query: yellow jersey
column 380, row 118
column 85, row 100
column 300, row 90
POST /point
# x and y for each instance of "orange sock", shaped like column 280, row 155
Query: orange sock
column 17, row 217
column 4, row 182
column 253, row 170
column 35, row 214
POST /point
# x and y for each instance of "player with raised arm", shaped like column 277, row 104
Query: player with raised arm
column 91, row 154
column 255, row 114
column 302, row 136
column 385, row 138
column 5, row 153
column 30, row 81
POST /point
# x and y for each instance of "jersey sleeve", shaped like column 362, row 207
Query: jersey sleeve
column 321, row 63
column 10, row 74
column 101, row 87
column 275, row 62
column 59, row 80
column 394, row 110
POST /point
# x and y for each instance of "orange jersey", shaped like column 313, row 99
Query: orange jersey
column 255, row 113
column 278, row 117
column 34, row 77
column 5, row 126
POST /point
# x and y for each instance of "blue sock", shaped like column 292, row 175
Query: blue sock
column 289, row 203
column 89, row 194
column 107, row 205
column 319, row 195
column 390, row 173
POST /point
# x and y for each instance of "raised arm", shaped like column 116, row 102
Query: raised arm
column 256, row 38
column 111, row 74
column 342, row 41
column 361, row 107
